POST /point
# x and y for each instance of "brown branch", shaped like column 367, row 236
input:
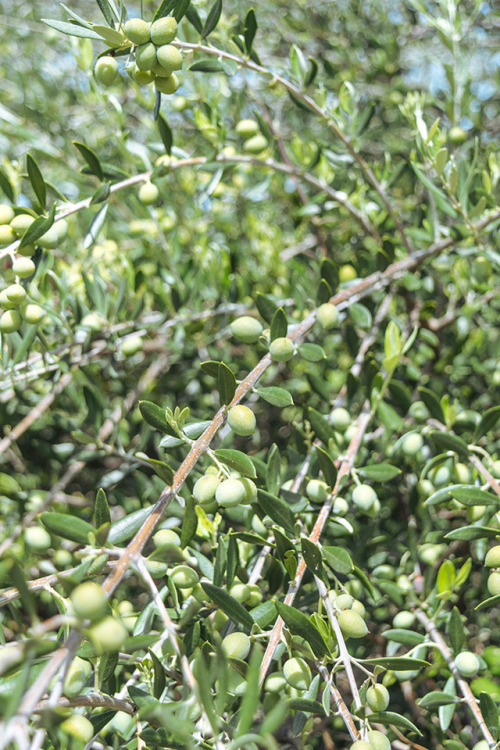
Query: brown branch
column 92, row 700
column 467, row 693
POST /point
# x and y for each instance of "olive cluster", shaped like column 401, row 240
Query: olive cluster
column 155, row 58
column 13, row 298
column 106, row 633
column 255, row 143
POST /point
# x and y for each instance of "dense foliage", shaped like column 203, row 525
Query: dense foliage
column 249, row 301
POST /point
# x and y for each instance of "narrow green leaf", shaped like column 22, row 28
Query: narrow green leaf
column 189, row 522
column 273, row 470
column 249, row 30
column 226, row 383
column 379, row 472
column 162, row 469
column 278, row 509
column 312, row 352
column 233, row 559
column 399, row 663
column 36, row 230
column 309, row 706
column 7, row 186
column 159, row 680
column 212, row 19
column 327, row 466
column 181, row 8
column 73, row 29
column 312, row 556
column 207, row 66
column 112, row 37
column 194, row 19
column 266, row 307
column 447, row 442
column 489, row 710
column 101, row 194
column 250, row 701
column 432, row 403
column 488, row 421
column 37, row 181
column 165, row 133
column 469, row 533
column 445, row 713
column 236, row 460
column 404, row 636
column 91, row 159
column 300, row 624
column 360, row 315
column 164, row 9
column 275, row 396
column 107, row 12
column 388, row 718
column 470, row 496
column 228, row 604
column 124, row 529
column 155, row 417
column 337, row 558
column 67, row 527
column 220, row 563
column 279, row 324
column 437, row 698
column 101, row 509
column 320, row 426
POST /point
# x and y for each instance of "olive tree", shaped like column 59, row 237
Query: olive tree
column 249, row 294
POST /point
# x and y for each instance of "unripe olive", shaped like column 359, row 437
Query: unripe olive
column 344, row 601
column 108, row 634
column 347, row 273
column 106, row 70
column 297, row 673
column 250, row 490
column 137, row 30
column 457, row 136
column 7, row 235
column 184, row 577
column 76, row 677
column 255, row 145
column 167, row 85
column 89, row 601
column 281, row 349
column 495, row 469
column 37, row 538
column 50, row 239
column 412, row 444
column 405, row 675
column 27, row 250
column 492, row 559
column 327, row 315
column 358, row 607
column 255, row 597
column 247, row 128
column 340, row 506
column 169, row 57
column 241, row 420
column 481, row 268
column 6, row 213
column 163, row 30
column 462, row 473
column 205, row 487
column 275, row 683
column 246, row 329
column 352, row 624
column 156, row 568
column 145, row 56
column 316, row 490
column 15, row 293
column 340, row 419
column 403, row 620
column 419, row 411
column 142, row 77
column 148, row 193
column 493, row 578
column 230, row 492
column 10, row 321
column 78, row 727
column 63, row 559
column 159, row 72
column 377, row 697
column 378, row 741
column 481, row 745
column 384, row 571
column 132, row 345
column 236, row 645
column 240, row 592
column 430, row 553
column 467, row 663
column 360, row 745
column 93, row 321
column 23, row 267
column 165, row 538
column 21, row 222
column 363, row 496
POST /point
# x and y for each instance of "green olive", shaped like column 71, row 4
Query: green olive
column 467, row 663
column 6, row 213
column 148, row 193
column 106, row 70
column 76, row 677
column 163, row 30
column 145, row 56
column 23, row 267
column 352, row 624
column 281, row 349
column 363, row 496
column 21, row 223
column 246, row 329
column 167, row 85
column 169, row 57
column 89, row 601
column 327, row 315
column 247, row 128
column 230, row 492
column 137, row 30
column 377, row 697
column 492, row 559
column 7, row 235
column 184, row 577
column 493, row 578
column 378, row 740
column 108, row 634
column 205, row 487
column 347, row 273
column 78, row 727
column 15, row 293
column 317, row 490
column 256, row 145
column 236, row 645
column 241, row 420
column 10, row 321
column 297, row 673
